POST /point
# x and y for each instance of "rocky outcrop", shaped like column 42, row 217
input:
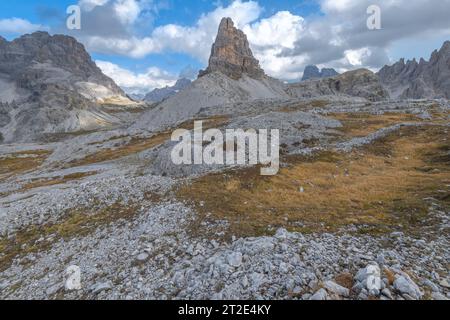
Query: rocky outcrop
column 313, row 72
column 159, row 95
column 55, row 86
column 328, row 72
column 33, row 59
column 231, row 54
column 358, row 83
column 233, row 76
column 419, row 80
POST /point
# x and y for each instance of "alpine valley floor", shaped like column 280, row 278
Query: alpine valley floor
column 363, row 186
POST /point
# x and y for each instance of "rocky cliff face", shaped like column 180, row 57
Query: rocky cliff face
column 38, row 59
column 418, row 80
column 313, row 72
column 53, row 85
column 231, row 54
column 159, row 95
column 358, row 83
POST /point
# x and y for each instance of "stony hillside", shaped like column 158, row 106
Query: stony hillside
column 358, row 83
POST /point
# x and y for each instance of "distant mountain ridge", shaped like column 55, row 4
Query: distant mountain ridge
column 160, row 94
column 419, row 80
column 357, row 83
column 313, row 72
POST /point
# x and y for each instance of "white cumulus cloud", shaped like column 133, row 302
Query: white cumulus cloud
column 88, row 5
column 269, row 37
column 127, row 11
column 19, row 26
column 193, row 40
column 133, row 82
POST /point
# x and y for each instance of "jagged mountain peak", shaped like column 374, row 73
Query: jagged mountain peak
column 160, row 94
column 182, row 83
column 231, row 54
column 417, row 80
column 60, row 51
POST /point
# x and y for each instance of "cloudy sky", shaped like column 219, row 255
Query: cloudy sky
column 144, row 44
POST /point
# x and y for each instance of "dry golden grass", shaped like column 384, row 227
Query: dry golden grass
column 438, row 114
column 114, row 110
column 381, row 186
column 37, row 183
column 137, row 145
column 21, row 162
column 345, row 280
column 118, row 102
column 390, row 275
column 304, row 106
column 363, row 124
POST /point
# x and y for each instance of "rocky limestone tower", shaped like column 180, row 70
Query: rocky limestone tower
column 231, row 54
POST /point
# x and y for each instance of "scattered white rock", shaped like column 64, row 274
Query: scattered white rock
column 369, row 278
column 319, row 295
column 235, row 259
column 335, row 288
column 387, row 293
column 431, row 285
column 438, row 296
column 99, row 287
column 143, row 257
column 53, row 289
column 407, row 287
column 444, row 283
